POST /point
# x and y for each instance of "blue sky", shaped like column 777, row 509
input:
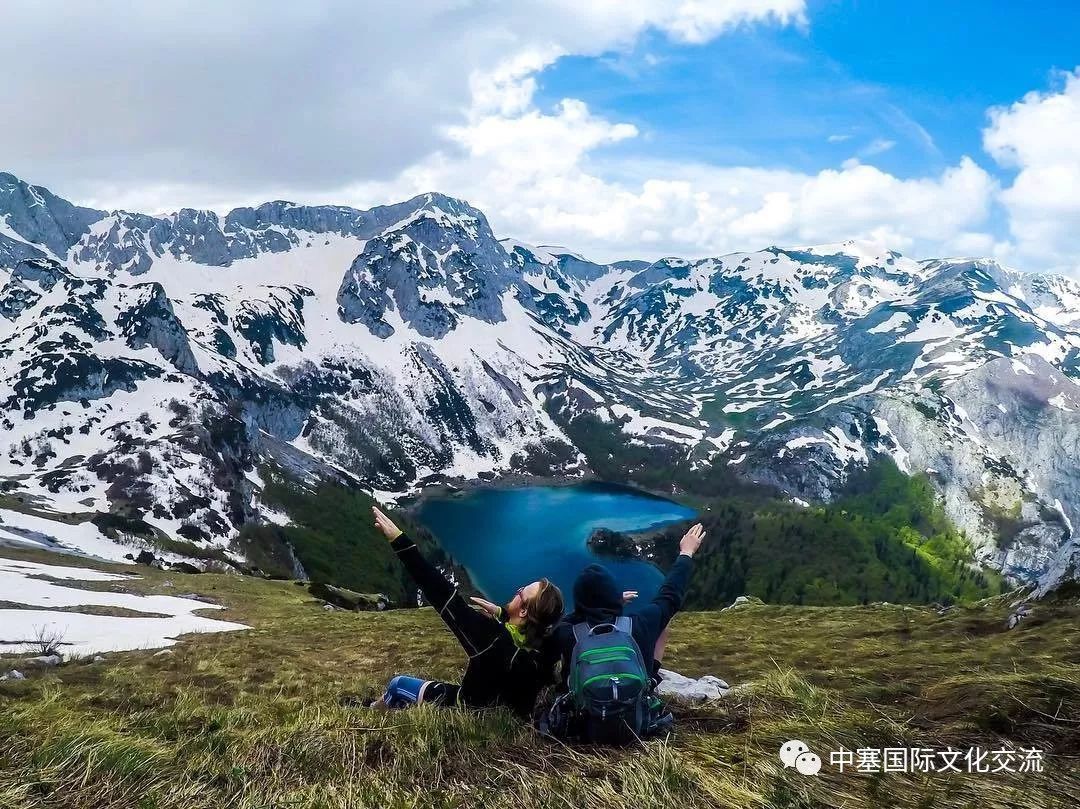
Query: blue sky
column 919, row 74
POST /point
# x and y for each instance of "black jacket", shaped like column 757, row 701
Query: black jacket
column 499, row 672
column 598, row 599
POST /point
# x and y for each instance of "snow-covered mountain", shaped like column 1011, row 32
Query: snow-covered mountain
column 151, row 365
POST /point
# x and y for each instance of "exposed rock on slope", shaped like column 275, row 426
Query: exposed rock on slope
column 153, row 363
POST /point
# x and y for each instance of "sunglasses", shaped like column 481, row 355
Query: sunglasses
column 520, row 593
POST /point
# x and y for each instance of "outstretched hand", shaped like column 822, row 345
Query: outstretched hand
column 691, row 540
column 385, row 524
column 484, row 605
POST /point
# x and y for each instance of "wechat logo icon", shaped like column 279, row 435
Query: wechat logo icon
column 796, row 754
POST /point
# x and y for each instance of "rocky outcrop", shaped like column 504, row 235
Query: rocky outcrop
column 149, row 320
column 703, row 689
column 40, row 217
column 441, row 264
column 997, row 444
column 349, row 600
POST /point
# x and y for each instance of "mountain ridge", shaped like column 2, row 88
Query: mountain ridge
column 407, row 342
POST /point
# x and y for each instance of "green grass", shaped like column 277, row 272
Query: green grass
column 885, row 538
column 263, row 719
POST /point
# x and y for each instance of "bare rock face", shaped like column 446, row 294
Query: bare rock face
column 149, row 320
column 438, row 267
column 150, row 365
column 997, row 444
column 45, row 661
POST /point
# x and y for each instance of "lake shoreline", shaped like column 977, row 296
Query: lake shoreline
column 640, row 542
column 543, row 527
column 458, row 487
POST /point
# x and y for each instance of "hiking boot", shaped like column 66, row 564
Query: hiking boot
column 663, row 725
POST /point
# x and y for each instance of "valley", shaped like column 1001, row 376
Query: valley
column 167, row 374
column 881, row 449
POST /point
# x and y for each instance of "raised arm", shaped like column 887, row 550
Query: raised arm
column 669, row 599
column 475, row 630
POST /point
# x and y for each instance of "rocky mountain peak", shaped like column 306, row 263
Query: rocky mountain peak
column 152, row 363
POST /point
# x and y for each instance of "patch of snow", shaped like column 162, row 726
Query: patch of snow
column 1064, row 516
column 84, row 634
column 1061, row 401
column 83, row 537
column 894, row 323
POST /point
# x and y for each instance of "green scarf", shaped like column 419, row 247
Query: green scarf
column 513, row 629
column 516, row 634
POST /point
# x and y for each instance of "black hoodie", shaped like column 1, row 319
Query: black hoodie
column 499, row 672
column 598, row 599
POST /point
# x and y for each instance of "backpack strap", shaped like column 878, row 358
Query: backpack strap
column 622, row 623
column 580, row 631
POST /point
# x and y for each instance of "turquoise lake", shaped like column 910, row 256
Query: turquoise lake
column 507, row 538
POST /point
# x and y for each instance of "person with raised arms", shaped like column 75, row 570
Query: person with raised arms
column 506, row 665
column 610, row 659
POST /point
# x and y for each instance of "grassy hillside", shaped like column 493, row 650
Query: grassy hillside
column 885, row 539
column 264, row 719
column 333, row 536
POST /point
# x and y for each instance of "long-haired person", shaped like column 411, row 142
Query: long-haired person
column 506, row 665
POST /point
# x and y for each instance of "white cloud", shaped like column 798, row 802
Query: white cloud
column 213, row 105
column 878, row 146
column 700, row 20
column 217, row 102
column 533, row 173
column 1040, row 137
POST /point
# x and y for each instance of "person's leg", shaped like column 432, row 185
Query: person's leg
column 661, row 722
column 661, row 645
column 658, row 656
column 404, row 691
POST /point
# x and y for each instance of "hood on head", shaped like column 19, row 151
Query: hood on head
column 596, row 593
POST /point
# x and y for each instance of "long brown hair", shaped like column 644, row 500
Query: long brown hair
column 542, row 613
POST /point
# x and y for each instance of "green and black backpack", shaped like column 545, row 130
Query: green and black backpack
column 608, row 683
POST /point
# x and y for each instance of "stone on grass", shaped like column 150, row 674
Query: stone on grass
column 163, row 653
column 1017, row 615
column 14, row 674
column 703, row 689
column 743, row 601
column 348, row 599
column 198, row 597
column 45, row 661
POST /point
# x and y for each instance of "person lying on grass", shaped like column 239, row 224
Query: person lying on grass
column 505, row 665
